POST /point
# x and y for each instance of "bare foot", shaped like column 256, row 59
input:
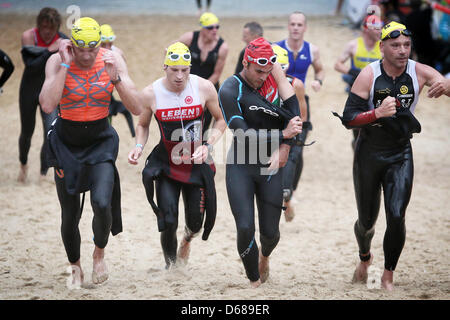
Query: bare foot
column 289, row 213
column 255, row 284
column 99, row 271
column 75, row 281
column 263, row 267
column 22, row 173
column 360, row 274
column 387, row 280
column 183, row 252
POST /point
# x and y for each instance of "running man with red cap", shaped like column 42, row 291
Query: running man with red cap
column 83, row 146
column 262, row 135
column 180, row 163
column 381, row 103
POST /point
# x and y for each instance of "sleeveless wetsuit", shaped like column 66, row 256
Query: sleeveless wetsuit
column 83, row 150
column 205, row 68
column 34, row 57
column 256, row 134
column 179, row 118
column 383, row 159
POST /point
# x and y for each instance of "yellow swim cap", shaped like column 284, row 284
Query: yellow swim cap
column 107, row 33
column 208, row 19
column 178, row 54
column 391, row 26
column 86, row 33
column 282, row 54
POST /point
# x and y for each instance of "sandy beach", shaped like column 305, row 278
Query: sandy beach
column 317, row 252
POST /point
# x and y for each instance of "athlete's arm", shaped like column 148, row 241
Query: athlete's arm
column 52, row 89
column 319, row 71
column 299, row 89
column 220, row 63
column 430, row 77
column 212, row 103
column 340, row 65
column 209, row 93
column 116, row 67
column 186, row 38
column 8, row 68
column 143, row 126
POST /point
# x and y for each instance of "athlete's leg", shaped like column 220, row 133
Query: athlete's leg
column 397, row 185
column 241, row 190
column 269, row 199
column 70, row 218
column 102, row 175
column 167, row 196
column 367, row 184
column 194, row 209
column 47, row 120
column 28, row 102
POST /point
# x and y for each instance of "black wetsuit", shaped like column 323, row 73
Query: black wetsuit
column 257, row 132
column 383, row 160
column 205, row 68
column 7, row 66
column 33, row 77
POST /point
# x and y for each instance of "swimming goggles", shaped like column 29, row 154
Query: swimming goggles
column 396, row 33
column 263, row 61
column 212, row 27
column 177, row 56
column 108, row 39
column 81, row 44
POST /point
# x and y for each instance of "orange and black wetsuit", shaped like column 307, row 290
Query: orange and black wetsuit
column 83, row 150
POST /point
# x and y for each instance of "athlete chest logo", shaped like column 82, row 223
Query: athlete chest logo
column 179, row 114
column 188, row 100
column 267, row 111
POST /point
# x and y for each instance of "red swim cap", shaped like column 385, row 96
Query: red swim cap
column 258, row 48
column 372, row 22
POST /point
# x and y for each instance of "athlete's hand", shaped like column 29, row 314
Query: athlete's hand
column 65, row 51
column 54, row 46
column 134, row 155
column 316, row 85
column 293, row 128
column 439, row 88
column 387, row 108
column 200, row 154
column 279, row 158
column 111, row 64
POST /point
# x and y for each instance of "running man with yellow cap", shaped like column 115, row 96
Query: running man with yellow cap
column 83, row 145
column 182, row 161
column 294, row 165
column 116, row 106
column 209, row 52
column 381, row 103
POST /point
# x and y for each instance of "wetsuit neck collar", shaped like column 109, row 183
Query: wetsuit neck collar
column 385, row 74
